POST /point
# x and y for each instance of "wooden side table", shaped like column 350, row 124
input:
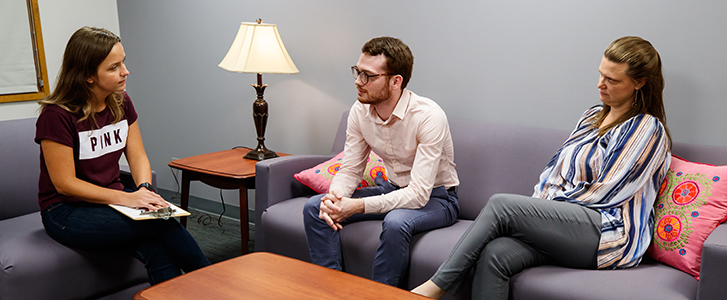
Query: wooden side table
column 225, row 170
column 264, row 275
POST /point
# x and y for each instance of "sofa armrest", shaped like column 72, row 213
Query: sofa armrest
column 128, row 181
column 274, row 183
column 274, row 180
column 713, row 268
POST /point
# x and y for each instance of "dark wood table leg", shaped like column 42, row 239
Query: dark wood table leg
column 184, row 201
column 244, row 225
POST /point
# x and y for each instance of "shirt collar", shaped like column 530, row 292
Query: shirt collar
column 399, row 111
column 402, row 105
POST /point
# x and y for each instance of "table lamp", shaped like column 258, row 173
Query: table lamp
column 257, row 48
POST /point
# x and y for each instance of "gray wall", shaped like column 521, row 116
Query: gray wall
column 527, row 62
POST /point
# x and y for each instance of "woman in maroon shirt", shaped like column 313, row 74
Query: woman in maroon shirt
column 85, row 126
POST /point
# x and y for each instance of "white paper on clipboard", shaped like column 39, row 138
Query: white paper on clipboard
column 136, row 214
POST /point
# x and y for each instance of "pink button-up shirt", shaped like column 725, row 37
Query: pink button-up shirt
column 415, row 145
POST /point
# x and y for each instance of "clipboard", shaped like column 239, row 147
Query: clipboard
column 140, row 214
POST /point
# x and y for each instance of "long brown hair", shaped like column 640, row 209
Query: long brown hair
column 643, row 62
column 85, row 51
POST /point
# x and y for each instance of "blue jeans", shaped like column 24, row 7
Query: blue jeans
column 164, row 246
column 392, row 255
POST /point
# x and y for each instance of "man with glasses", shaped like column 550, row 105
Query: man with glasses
column 411, row 134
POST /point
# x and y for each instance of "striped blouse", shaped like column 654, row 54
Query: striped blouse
column 618, row 174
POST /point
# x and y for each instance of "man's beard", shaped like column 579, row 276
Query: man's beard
column 378, row 97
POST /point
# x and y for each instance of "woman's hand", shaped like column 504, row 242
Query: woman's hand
column 145, row 199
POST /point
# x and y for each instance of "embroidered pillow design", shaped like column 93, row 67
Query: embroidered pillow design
column 319, row 177
column 692, row 202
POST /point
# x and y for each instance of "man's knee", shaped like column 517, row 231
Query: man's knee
column 314, row 202
column 312, row 207
column 397, row 223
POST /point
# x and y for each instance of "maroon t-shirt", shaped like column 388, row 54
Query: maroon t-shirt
column 96, row 152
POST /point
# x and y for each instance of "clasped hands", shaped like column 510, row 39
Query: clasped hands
column 335, row 208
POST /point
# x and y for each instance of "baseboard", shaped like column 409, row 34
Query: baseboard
column 208, row 206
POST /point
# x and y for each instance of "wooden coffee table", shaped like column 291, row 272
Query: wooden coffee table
column 263, row 275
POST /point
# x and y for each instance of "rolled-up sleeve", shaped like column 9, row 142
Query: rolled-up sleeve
column 354, row 158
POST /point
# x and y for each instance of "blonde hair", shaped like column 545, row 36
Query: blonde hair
column 643, row 62
column 85, row 51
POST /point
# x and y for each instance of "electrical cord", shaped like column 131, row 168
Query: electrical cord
column 176, row 181
column 224, row 208
column 204, row 219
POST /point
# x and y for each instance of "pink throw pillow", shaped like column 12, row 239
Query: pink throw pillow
column 319, row 178
column 692, row 202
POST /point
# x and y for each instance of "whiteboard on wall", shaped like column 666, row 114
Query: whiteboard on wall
column 17, row 63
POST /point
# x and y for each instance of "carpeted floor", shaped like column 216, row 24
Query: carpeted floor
column 218, row 238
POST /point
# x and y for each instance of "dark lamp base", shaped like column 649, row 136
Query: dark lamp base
column 260, row 154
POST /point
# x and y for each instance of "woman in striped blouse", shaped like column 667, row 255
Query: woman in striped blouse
column 592, row 208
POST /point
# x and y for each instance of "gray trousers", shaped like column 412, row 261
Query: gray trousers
column 515, row 232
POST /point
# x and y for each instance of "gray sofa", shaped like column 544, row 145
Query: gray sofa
column 491, row 158
column 34, row 266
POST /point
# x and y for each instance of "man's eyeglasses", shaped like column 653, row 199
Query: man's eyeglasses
column 364, row 77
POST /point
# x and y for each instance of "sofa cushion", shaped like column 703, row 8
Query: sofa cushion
column 34, row 266
column 650, row 280
column 319, row 178
column 692, row 202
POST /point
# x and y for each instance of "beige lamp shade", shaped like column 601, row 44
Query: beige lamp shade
column 258, row 49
